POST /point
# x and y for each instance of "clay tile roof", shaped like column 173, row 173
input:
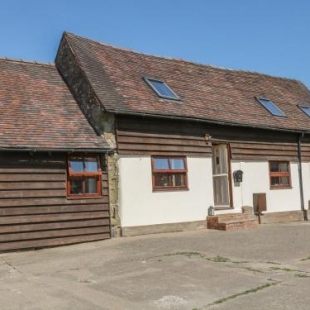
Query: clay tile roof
column 206, row 92
column 39, row 112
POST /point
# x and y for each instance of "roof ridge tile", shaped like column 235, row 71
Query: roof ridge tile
column 20, row 60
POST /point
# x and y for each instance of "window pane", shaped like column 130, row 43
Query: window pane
column 284, row 180
column 305, row 109
column 76, row 186
column 274, row 167
column 178, row 180
column 161, row 164
column 271, row 107
column 91, row 185
column 162, row 89
column 76, row 164
column 275, row 181
column 177, row 164
column 161, row 180
column 283, row 167
column 91, row 164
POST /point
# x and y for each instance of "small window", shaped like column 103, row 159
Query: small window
column 280, row 176
column 271, row 107
column 169, row 173
column 84, row 176
column 305, row 109
column 162, row 89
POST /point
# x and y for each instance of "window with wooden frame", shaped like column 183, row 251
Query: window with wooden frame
column 280, row 175
column 169, row 173
column 84, row 176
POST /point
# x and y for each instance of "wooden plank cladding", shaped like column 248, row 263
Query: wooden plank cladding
column 146, row 136
column 34, row 209
column 305, row 151
column 263, row 151
column 155, row 137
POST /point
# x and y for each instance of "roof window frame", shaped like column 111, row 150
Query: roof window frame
column 149, row 80
column 302, row 107
column 261, row 99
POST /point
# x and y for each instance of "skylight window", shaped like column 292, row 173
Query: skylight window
column 271, row 107
column 305, row 109
column 162, row 89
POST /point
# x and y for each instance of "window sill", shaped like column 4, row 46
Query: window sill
column 280, row 187
column 84, row 197
column 170, row 189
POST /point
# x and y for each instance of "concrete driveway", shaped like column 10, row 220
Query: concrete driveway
column 265, row 268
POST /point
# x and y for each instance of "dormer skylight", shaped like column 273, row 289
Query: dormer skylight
column 305, row 109
column 271, row 107
column 161, row 89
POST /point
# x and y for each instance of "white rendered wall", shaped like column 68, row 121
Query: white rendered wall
column 139, row 205
column 256, row 180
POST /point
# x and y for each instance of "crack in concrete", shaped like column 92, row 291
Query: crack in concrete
column 250, row 291
column 12, row 267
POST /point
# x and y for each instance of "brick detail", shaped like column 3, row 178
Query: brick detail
column 233, row 221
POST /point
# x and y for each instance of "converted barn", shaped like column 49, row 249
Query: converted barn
column 191, row 138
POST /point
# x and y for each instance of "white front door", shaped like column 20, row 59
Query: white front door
column 221, row 186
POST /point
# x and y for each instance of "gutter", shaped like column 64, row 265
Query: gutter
column 55, row 150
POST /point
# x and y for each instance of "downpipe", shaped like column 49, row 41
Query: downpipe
column 301, row 187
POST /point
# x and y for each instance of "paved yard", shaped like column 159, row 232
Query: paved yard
column 266, row 268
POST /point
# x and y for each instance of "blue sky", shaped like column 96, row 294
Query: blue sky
column 267, row 36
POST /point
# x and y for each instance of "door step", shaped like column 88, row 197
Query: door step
column 232, row 221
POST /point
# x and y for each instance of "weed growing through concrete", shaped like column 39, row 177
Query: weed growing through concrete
column 253, row 269
column 307, row 258
column 286, row 269
column 301, row 275
column 273, row 263
column 283, row 269
column 216, row 259
column 253, row 290
column 187, row 254
column 241, row 262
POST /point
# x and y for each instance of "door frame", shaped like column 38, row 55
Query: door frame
column 230, row 194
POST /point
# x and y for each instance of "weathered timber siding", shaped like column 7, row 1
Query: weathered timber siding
column 34, row 209
column 145, row 136
column 305, row 151
column 264, row 151
column 154, row 137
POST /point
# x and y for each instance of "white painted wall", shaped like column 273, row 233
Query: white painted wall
column 139, row 205
column 256, row 180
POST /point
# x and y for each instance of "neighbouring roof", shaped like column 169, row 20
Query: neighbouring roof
column 39, row 112
column 206, row 92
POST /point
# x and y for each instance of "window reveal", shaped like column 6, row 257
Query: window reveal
column 305, row 109
column 84, row 176
column 169, row 173
column 280, row 176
